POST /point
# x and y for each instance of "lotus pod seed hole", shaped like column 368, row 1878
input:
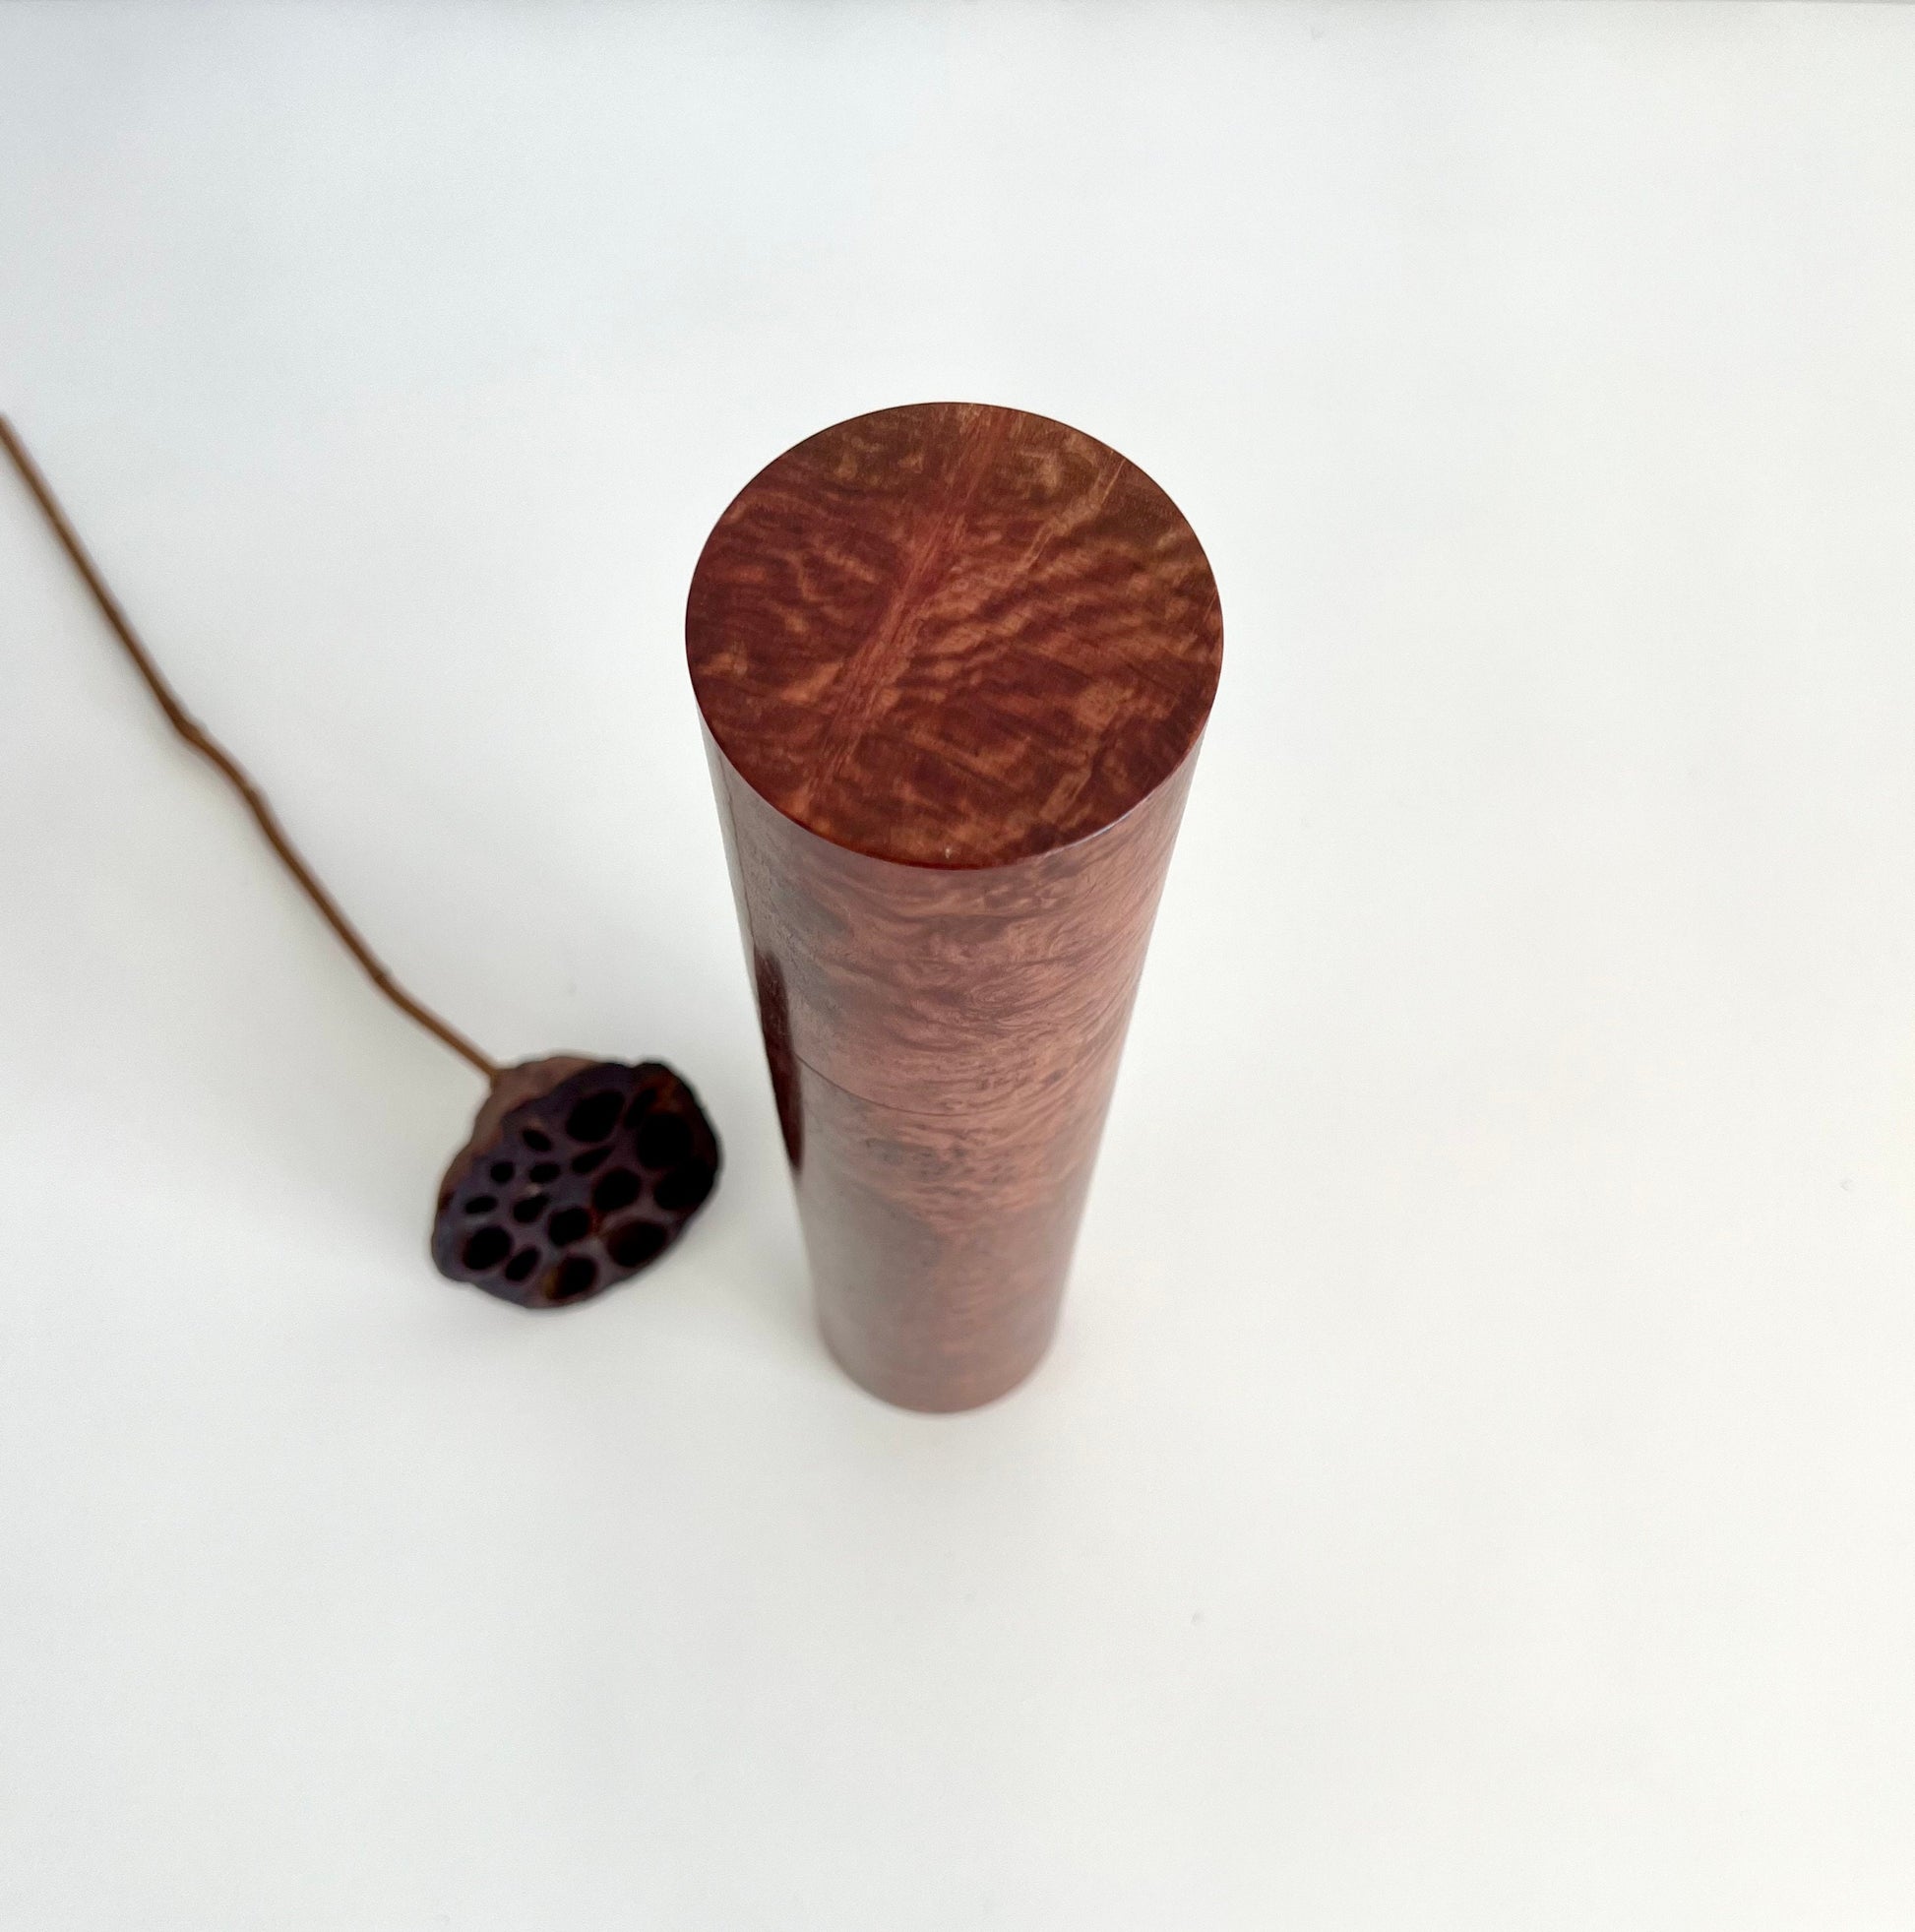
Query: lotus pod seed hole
column 568, row 1226
column 576, row 1275
column 595, row 1118
column 684, row 1187
column 636, row 1243
column 486, row 1249
column 662, row 1140
column 616, row 1190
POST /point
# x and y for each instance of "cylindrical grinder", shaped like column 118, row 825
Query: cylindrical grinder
column 953, row 663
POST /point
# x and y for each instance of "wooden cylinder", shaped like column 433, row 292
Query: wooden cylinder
column 953, row 663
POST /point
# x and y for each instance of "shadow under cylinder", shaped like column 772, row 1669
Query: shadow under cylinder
column 953, row 663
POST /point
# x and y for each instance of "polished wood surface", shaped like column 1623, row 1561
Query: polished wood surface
column 943, row 1046
column 954, row 635
column 953, row 663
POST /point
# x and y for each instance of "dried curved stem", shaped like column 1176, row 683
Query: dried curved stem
column 189, row 728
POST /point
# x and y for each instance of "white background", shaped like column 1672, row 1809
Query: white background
column 1475, row 1485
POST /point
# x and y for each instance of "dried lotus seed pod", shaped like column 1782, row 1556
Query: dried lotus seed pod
column 579, row 1173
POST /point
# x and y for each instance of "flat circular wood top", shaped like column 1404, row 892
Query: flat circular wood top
column 953, row 634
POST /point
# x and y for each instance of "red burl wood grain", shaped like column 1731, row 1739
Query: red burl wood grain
column 953, row 663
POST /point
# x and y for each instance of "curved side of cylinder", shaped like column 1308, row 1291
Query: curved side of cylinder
column 943, row 1044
